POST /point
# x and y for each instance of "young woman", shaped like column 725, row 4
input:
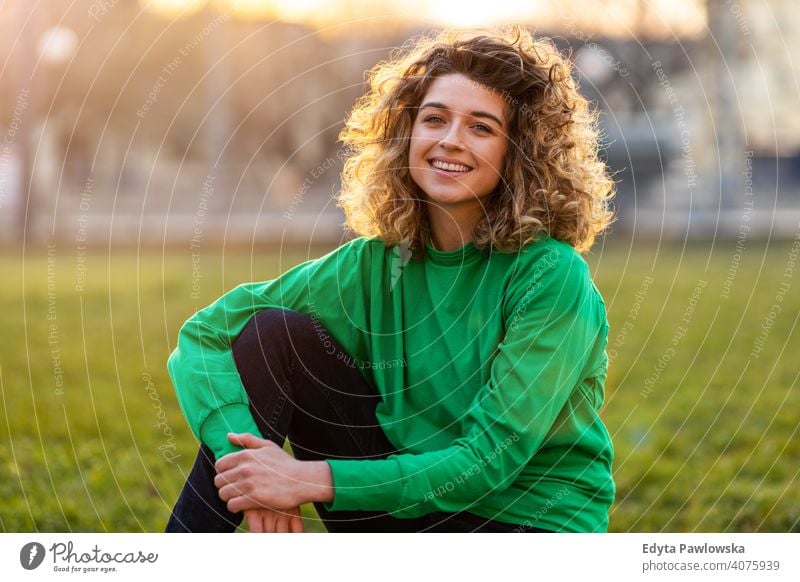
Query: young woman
column 444, row 370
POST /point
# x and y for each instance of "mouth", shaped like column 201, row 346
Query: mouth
column 449, row 169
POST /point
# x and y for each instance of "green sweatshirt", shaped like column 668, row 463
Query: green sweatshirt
column 491, row 368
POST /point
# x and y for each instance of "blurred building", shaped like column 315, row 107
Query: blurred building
column 705, row 130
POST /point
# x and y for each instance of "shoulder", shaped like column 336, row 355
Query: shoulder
column 549, row 258
column 374, row 251
column 553, row 273
column 363, row 244
column 356, row 249
column 357, row 258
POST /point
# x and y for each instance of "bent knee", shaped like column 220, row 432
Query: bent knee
column 275, row 324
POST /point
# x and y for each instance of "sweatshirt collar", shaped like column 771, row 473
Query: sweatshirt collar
column 466, row 254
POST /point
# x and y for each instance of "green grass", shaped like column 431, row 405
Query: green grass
column 711, row 446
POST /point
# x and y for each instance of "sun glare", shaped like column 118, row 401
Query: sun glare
column 291, row 10
column 614, row 18
column 468, row 13
column 173, row 8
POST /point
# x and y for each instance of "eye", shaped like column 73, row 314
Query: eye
column 483, row 127
column 431, row 118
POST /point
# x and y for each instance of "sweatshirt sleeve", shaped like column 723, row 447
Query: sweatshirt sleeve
column 555, row 326
column 202, row 368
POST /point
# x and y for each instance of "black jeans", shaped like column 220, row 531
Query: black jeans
column 302, row 385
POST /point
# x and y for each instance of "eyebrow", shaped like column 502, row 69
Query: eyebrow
column 437, row 105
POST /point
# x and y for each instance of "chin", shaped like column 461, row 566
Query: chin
column 449, row 197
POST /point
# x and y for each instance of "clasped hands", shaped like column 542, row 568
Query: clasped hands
column 269, row 485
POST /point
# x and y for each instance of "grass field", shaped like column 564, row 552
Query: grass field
column 702, row 398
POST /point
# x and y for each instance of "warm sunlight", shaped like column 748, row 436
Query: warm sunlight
column 465, row 13
column 173, row 8
column 311, row 12
column 290, row 10
column 620, row 18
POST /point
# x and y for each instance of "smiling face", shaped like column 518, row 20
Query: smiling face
column 458, row 146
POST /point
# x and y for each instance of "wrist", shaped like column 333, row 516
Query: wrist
column 317, row 480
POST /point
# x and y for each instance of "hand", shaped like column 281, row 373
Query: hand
column 267, row 520
column 262, row 477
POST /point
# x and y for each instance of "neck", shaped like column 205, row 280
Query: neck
column 448, row 233
column 448, row 243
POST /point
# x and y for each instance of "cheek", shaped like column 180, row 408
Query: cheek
column 415, row 156
column 414, row 147
column 419, row 143
column 416, row 159
column 497, row 158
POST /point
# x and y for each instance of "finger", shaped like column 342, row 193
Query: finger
column 247, row 440
column 230, row 477
column 296, row 524
column 220, row 480
column 232, row 490
column 236, row 504
column 255, row 523
column 288, row 520
column 242, row 503
column 228, row 462
column 281, row 524
column 225, row 493
column 270, row 521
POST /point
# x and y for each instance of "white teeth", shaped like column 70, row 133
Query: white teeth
column 449, row 167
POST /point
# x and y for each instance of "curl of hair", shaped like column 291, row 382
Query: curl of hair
column 553, row 179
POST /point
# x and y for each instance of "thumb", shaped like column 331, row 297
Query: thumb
column 246, row 440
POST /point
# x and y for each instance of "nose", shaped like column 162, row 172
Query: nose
column 451, row 139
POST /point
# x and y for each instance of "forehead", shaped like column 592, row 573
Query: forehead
column 465, row 95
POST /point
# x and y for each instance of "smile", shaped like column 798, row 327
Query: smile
column 449, row 168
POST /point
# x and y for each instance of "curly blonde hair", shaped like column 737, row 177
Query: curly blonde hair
column 553, row 180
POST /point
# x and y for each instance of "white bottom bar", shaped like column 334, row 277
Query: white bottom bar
column 400, row 557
